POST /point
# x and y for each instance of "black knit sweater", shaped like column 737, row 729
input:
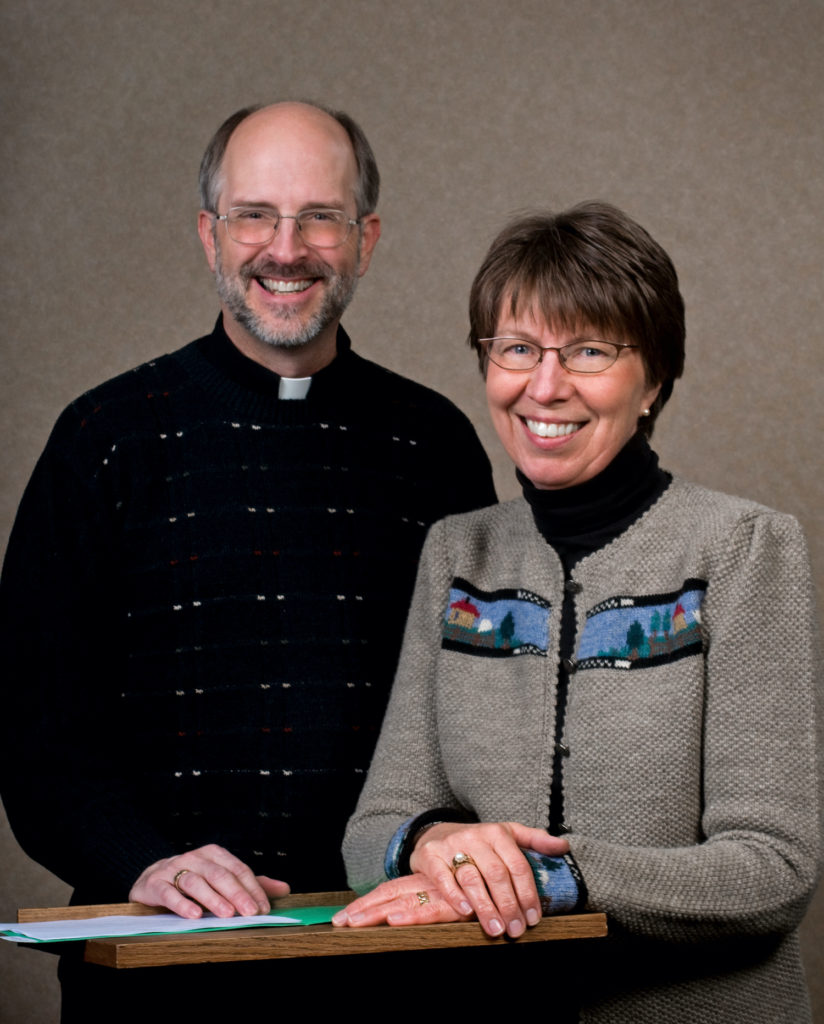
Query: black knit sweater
column 202, row 606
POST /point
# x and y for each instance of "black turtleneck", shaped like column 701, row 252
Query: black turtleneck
column 579, row 520
column 576, row 521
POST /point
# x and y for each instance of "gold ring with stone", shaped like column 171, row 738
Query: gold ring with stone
column 460, row 859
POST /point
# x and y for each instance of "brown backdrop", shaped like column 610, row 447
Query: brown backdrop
column 703, row 120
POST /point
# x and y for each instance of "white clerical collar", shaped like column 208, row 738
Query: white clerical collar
column 294, row 387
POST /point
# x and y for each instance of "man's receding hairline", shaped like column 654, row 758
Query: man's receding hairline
column 367, row 177
column 326, row 117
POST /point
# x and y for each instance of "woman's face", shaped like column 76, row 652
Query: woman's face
column 592, row 415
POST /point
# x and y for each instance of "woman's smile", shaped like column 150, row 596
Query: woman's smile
column 544, row 429
column 562, row 428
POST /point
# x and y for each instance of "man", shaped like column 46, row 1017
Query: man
column 207, row 582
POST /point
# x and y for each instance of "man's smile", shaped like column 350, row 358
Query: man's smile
column 277, row 286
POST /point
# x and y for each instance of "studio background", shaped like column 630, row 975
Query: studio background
column 703, row 121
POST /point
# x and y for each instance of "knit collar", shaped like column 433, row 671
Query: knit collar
column 226, row 357
column 248, row 389
column 592, row 513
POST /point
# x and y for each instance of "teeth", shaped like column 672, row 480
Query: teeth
column 552, row 429
column 282, row 287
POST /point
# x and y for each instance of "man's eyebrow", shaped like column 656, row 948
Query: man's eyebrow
column 335, row 204
column 251, row 204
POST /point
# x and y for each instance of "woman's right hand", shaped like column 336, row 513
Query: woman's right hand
column 497, row 885
column 408, row 900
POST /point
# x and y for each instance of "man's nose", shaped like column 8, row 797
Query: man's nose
column 287, row 244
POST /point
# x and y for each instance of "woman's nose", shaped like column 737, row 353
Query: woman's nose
column 549, row 381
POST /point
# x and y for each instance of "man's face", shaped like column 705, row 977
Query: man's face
column 287, row 294
column 284, row 324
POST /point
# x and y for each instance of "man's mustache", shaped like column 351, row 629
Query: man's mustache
column 286, row 271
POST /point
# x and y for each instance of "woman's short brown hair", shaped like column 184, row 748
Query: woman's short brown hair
column 591, row 266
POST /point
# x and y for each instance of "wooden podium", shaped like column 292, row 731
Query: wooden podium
column 294, row 941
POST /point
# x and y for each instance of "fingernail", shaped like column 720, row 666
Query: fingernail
column 396, row 919
column 495, row 927
column 516, row 928
column 532, row 917
column 340, row 918
column 466, row 908
column 354, row 918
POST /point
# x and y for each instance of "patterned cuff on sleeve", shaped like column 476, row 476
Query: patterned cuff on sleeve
column 402, row 843
column 560, row 885
column 393, row 850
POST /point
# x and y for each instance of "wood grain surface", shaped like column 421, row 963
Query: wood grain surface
column 290, row 942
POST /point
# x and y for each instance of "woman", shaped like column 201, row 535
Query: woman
column 615, row 675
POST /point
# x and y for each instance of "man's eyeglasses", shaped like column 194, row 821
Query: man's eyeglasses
column 582, row 356
column 322, row 229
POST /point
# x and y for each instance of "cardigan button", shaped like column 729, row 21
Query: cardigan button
column 570, row 664
column 573, row 587
column 562, row 749
column 564, row 829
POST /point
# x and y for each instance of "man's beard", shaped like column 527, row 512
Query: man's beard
column 283, row 328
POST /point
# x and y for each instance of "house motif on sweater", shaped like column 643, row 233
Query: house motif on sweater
column 637, row 632
column 497, row 624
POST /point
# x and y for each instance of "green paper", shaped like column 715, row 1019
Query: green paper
column 310, row 915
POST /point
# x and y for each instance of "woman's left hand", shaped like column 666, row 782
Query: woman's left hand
column 409, row 900
column 495, row 882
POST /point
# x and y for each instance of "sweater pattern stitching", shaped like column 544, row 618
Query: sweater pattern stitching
column 495, row 624
column 641, row 632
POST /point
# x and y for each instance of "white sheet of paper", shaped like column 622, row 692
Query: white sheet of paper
column 152, row 924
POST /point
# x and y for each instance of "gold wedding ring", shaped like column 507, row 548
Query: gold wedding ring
column 176, row 880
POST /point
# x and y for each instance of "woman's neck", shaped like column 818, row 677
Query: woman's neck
column 581, row 519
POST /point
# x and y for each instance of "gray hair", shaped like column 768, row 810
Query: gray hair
column 366, row 191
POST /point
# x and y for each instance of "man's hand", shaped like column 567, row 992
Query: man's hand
column 208, row 878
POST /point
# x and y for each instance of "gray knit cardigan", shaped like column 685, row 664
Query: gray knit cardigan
column 691, row 785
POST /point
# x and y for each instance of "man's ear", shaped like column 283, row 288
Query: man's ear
column 370, row 233
column 206, row 226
